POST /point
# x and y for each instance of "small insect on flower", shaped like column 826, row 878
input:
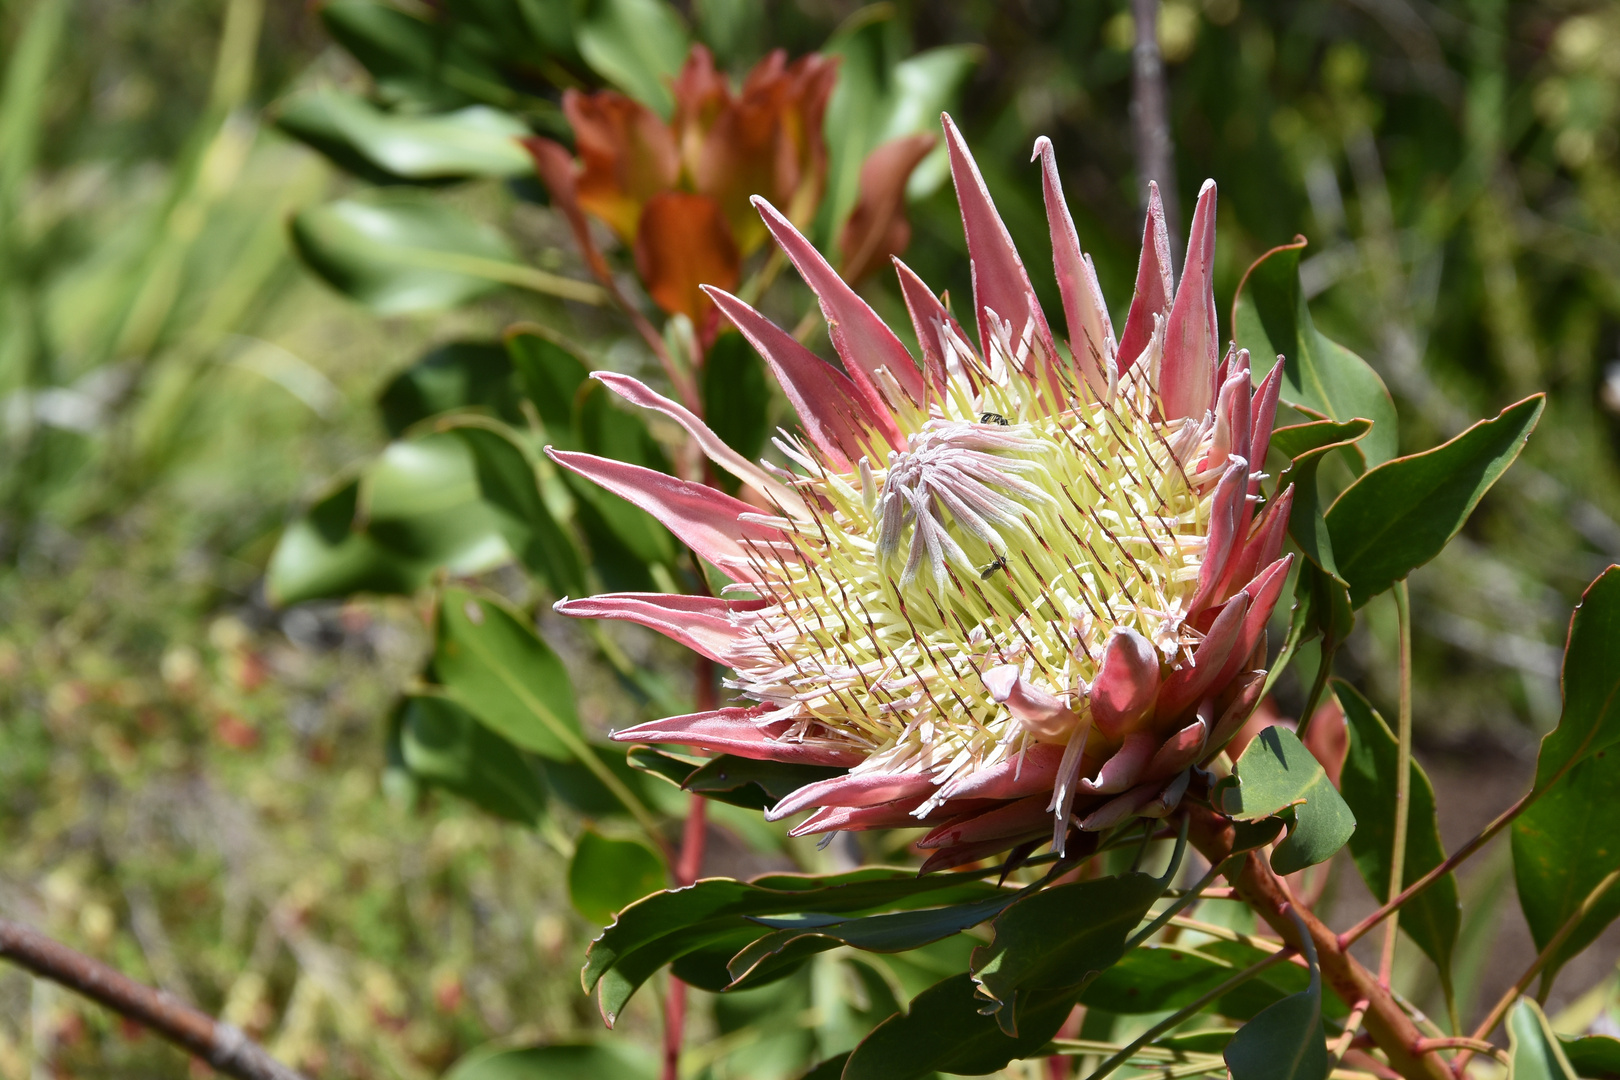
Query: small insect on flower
column 1013, row 590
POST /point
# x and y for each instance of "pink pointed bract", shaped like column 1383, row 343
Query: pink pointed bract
column 1016, row 589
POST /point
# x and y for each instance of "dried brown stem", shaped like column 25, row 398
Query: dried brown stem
column 221, row 1045
column 1392, row 1030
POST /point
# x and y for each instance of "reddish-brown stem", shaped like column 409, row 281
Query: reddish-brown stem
column 1392, row 1030
column 1354, row 934
column 688, row 866
column 221, row 1045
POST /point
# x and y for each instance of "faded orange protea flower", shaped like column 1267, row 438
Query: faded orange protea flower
column 1012, row 589
column 677, row 193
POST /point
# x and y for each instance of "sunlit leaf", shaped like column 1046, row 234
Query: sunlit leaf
column 1565, row 843
column 1534, row 1052
column 1321, row 376
column 509, row 486
column 1398, row 516
column 474, row 141
column 606, row 875
column 637, row 45
column 400, row 252
column 1307, row 445
column 1277, row 776
column 493, row 665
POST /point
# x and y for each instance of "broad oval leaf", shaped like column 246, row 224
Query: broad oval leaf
column 1322, row 377
column 509, row 487
column 474, row 141
column 399, row 252
column 1277, row 776
column 1163, row 978
column 491, row 664
column 550, row 375
column 444, row 745
column 322, row 555
column 1397, row 517
column 1284, row 1042
column 1433, row 917
column 607, row 875
column 1534, row 1052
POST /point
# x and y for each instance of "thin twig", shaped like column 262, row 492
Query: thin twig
column 1150, row 121
column 223, row 1046
column 1403, row 779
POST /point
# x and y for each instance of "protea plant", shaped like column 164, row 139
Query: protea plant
column 1015, row 587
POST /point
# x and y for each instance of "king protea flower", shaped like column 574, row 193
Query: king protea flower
column 1013, row 589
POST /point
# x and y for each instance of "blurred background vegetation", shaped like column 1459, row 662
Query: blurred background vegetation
column 193, row 782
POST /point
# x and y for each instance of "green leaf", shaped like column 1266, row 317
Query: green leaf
column 399, row 253
column 1433, row 917
column 882, row 94
column 1322, row 377
column 415, row 509
column 494, row 666
column 416, row 62
column 579, row 785
column 421, row 498
column 736, row 398
column 665, row 926
column 1591, row 681
column 800, row 936
column 455, row 377
column 1058, row 937
column 624, row 539
column 607, row 875
column 474, row 141
column 562, row 1061
column 550, row 375
column 945, row 1030
column 1307, row 445
column 444, row 745
column 1163, row 978
column 1596, row 1057
column 637, row 45
column 1285, row 1042
column 1397, row 517
column 1277, row 775
column 509, row 486
column 661, row 763
column 320, row 555
column 1564, row 844
column 753, row 783
column 1534, row 1052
